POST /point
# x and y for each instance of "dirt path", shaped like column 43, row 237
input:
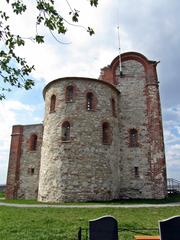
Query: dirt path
column 90, row 205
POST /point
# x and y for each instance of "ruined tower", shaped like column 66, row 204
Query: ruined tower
column 102, row 138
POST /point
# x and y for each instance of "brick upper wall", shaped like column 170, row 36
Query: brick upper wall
column 22, row 180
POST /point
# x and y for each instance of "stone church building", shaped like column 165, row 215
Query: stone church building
column 101, row 139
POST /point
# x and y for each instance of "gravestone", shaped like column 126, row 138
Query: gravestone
column 170, row 228
column 103, row 228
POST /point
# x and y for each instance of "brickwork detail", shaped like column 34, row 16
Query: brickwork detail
column 24, row 162
column 139, row 109
column 102, row 138
column 14, row 162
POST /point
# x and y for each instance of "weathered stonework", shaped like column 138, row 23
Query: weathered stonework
column 21, row 182
column 140, row 109
column 84, row 167
column 30, row 160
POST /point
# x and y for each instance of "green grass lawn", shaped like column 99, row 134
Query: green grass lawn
column 170, row 199
column 57, row 224
column 1, row 194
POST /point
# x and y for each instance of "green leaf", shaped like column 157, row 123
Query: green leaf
column 20, row 41
column 18, row 7
column 39, row 39
column 94, row 3
column 75, row 16
column 90, row 31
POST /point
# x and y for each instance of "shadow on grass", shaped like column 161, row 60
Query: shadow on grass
column 2, row 195
column 173, row 198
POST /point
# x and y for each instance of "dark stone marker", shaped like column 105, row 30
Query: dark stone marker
column 170, row 228
column 104, row 228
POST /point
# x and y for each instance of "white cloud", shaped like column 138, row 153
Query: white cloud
column 169, row 136
column 173, row 160
column 175, row 110
column 15, row 105
column 145, row 26
column 11, row 113
column 53, row 60
column 178, row 129
column 172, row 140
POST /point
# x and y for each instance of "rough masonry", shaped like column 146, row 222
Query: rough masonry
column 101, row 139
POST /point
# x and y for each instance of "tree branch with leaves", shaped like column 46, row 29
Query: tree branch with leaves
column 14, row 70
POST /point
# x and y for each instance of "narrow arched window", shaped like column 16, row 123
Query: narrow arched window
column 69, row 93
column 113, row 106
column 136, row 172
column 106, row 133
column 133, row 138
column 52, row 104
column 33, row 142
column 66, row 131
column 90, row 101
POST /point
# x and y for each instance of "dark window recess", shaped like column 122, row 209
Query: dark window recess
column 136, row 172
column 90, row 100
column 106, row 133
column 66, row 131
column 52, row 104
column 31, row 171
column 69, row 93
column 33, row 142
column 133, row 138
column 113, row 105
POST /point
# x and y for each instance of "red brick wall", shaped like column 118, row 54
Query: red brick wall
column 158, row 165
column 14, row 162
column 152, row 109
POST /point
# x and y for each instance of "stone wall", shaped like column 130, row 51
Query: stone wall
column 30, row 162
column 133, row 111
column 23, row 172
column 83, row 168
column 140, row 110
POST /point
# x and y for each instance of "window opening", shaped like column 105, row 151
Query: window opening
column 90, row 99
column 66, row 131
column 69, row 93
column 33, row 142
column 136, row 172
column 106, row 133
column 31, row 171
column 113, row 105
column 53, row 103
column 133, row 138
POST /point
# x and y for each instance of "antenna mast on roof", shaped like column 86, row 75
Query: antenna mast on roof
column 119, row 45
column 119, row 42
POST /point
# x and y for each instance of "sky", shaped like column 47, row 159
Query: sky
column 146, row 26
